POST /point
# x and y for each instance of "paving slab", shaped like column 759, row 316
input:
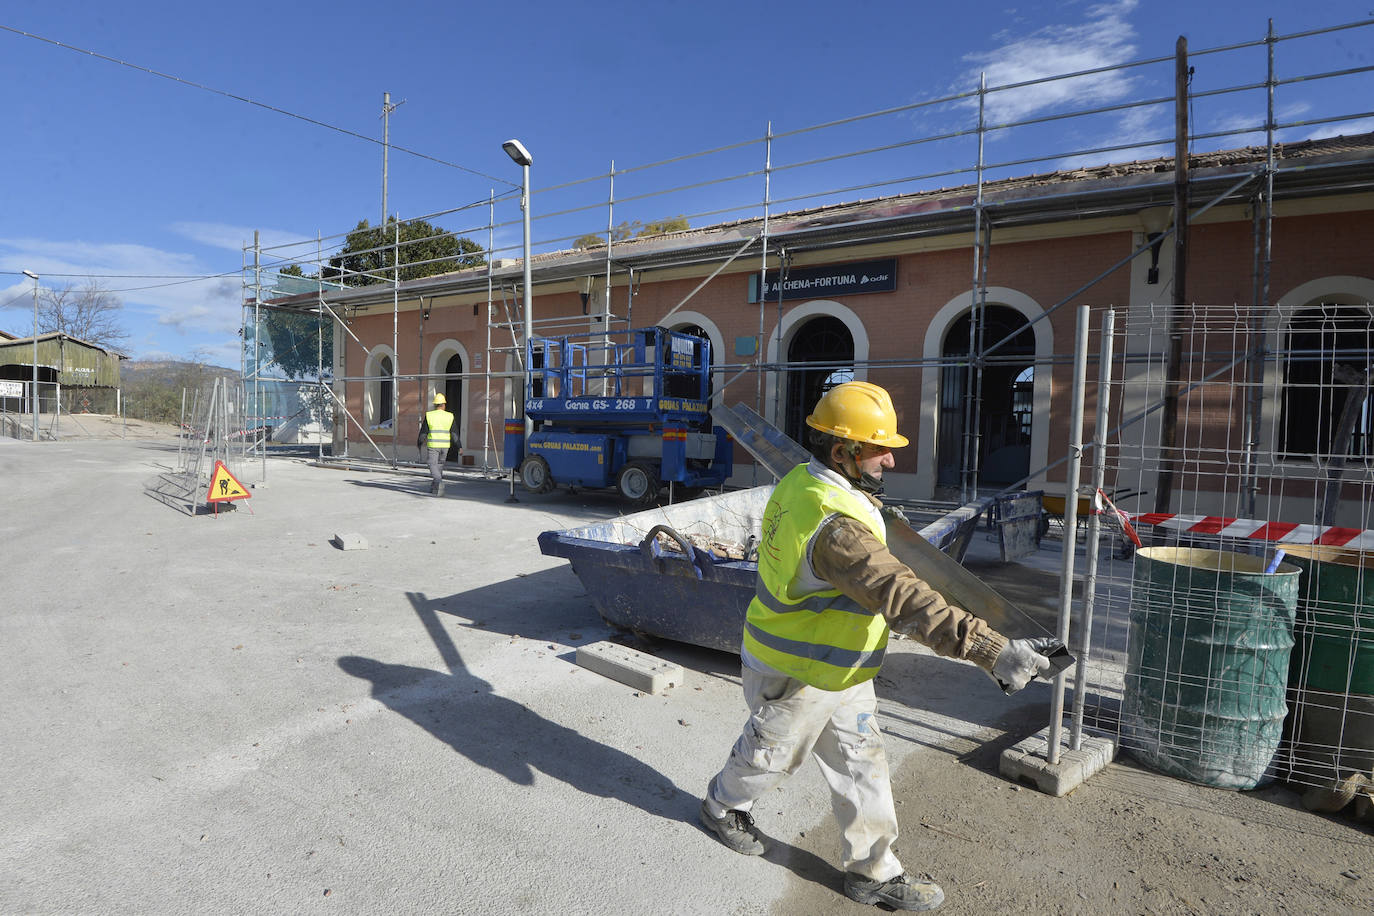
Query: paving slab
column 639, row 670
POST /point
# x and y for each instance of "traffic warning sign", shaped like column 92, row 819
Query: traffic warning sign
column 225, row 487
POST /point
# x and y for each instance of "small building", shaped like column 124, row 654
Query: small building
column 80, row 376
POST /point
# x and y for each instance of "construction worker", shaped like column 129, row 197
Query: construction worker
column 814, row 635
column 436, row 438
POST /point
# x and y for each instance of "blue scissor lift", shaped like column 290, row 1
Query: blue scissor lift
column 627, row 409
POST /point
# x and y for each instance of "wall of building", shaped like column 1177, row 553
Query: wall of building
column 896, row 333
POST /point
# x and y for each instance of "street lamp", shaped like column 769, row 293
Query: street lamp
column 521, row 157
column 34, row 277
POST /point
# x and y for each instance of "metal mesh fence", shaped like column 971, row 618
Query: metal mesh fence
column 1239, row 645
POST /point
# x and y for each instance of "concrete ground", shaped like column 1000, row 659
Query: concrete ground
column 229, row 714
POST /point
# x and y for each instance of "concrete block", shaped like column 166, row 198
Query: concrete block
column 349, row 541
column 1028, row 761
column 635, row 669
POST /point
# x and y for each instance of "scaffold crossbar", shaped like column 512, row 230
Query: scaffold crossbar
column 1278, row 532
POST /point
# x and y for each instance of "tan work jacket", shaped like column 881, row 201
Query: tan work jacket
column 846, row 554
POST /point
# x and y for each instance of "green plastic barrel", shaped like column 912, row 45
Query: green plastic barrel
column 1331, row 724
column 1210, row 638
column 1335, row 633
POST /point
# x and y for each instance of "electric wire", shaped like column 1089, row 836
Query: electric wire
column 254, row 102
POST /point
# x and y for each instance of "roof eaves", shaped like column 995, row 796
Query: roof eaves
column 1090, row 191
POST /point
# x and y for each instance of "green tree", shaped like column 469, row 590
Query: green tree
column 664, row 226
column 369, row 253
column 158, row 396
column 296, row 341
column 632, row 229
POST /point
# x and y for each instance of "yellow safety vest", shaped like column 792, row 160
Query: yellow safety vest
column 440, row 424
column 822, row 638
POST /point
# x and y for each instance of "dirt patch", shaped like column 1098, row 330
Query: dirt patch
column 104, row 426
column 1127, row 841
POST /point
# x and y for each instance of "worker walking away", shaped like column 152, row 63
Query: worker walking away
column 828, row 590
column 436, row 438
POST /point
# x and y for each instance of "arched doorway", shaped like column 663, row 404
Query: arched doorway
column 453, row 393
column 826, row 342
column 1005, row 411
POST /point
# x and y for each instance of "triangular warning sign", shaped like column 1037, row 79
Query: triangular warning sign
column 225, row 487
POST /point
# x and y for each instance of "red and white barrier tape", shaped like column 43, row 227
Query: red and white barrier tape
column 1278, row 532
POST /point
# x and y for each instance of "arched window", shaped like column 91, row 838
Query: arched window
column 1325, row 382
column 386, row 390
column 697, row 330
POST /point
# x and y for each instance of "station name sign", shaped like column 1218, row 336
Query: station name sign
column 828, row 280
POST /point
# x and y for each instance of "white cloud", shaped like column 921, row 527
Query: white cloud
column 1134, row 137
column 1341, row 129
column 19, row 295
column 277, row 245
column 1104, row 39
column 158, row 287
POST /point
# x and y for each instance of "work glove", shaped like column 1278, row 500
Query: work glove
column 1021, row 661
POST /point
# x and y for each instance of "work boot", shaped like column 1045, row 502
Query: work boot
column 904, row 892
column 735, row 830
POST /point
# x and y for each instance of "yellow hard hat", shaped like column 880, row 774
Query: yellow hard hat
column 858, row 411
column 439, row 398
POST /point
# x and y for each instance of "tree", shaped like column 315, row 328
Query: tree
column 633, row 229
column 297, row 340
column 89, row 312
column 156, row 392
column 664, row 226
column 369, row 253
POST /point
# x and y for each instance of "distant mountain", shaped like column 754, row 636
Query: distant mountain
column 170, row 371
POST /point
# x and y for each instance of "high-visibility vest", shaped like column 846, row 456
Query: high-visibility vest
column 821, row 638
column 440, row 424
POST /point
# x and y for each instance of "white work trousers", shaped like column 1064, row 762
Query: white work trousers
column 789, row 719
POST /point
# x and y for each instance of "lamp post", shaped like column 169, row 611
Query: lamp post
column 34, row 277
column 517, row 151
column 521, row 157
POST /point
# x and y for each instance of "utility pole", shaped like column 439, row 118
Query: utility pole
column 387, row 109
column 34, row 394
column 1168, row 432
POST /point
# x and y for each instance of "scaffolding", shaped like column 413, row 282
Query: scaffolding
column 830, row 163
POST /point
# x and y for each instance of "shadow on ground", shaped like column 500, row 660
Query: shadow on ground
column 509, row 738
column 505, row 736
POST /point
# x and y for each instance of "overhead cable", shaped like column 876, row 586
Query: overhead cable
column 239, row 98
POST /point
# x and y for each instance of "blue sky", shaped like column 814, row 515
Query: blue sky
column 147, row 182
